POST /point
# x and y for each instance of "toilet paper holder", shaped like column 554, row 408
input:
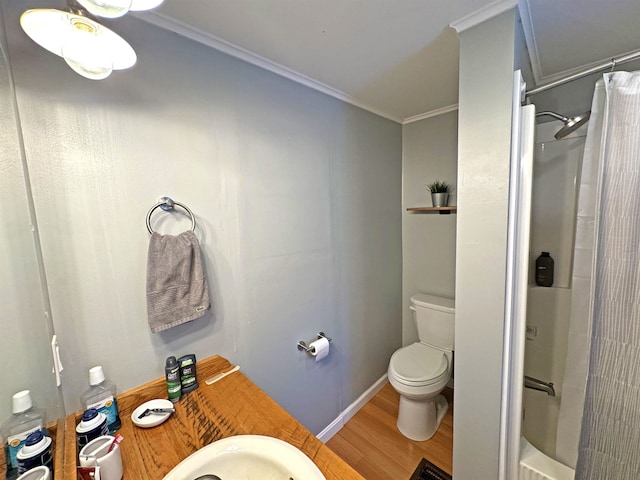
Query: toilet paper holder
column 303, row 346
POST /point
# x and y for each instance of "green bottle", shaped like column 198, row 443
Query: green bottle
column 188, row 372
column 172, row 374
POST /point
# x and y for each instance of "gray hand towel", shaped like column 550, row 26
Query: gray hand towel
column 177, row 289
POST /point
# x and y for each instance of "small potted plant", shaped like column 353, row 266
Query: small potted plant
column 439, row 193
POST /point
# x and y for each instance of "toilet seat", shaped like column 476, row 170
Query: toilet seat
column 419, row 365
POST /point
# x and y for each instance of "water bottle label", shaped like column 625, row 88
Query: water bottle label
column 108, row 406
column 15, row 443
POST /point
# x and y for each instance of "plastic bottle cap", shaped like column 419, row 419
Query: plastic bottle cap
column 89, row 414
column 36, row 443
column 171, row 362
column 91, row 419
column 96, row 375
column 22, row 401
column 34, row 438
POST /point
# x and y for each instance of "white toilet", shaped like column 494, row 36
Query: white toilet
column 420, row 371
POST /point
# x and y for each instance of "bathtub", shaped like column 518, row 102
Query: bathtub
column 548, row 313
column 535, row 465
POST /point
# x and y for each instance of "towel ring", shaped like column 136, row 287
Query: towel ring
column 166, row 204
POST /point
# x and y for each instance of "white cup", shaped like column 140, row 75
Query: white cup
column 95, row 453
column 37, row 473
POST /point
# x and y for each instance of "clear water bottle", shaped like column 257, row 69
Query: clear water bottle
column 26, row 419
column 102, row 397
column 544, row 270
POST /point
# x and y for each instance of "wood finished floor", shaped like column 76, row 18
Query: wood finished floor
column 372, row 444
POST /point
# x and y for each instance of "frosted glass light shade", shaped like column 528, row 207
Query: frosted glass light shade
column 117, row 8
column 89, row 70
column 106, row 8
column 140, row 5
column 88, row 57
column 86, row 45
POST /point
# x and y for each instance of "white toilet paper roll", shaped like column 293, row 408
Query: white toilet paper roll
column 319, row 348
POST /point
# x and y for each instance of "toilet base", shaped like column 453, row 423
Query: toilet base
column 419, row 419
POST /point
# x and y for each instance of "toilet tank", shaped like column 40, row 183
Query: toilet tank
column 434, row 318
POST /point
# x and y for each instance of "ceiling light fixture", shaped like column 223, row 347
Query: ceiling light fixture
column 117, row 8
column 89, row 48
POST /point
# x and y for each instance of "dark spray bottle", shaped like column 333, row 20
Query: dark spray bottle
column 172, row 374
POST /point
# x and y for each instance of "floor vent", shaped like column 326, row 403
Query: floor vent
column 428, row 471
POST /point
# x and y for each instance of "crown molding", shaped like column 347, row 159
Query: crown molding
column 584, row 70
column 485, row 13
column 530, row 41
column 540, row 79
column 233, row 50
column 432, row 113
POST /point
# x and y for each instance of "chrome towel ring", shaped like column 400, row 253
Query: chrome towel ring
column 166, row 204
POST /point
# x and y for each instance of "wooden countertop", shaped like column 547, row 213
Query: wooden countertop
column 231, row 406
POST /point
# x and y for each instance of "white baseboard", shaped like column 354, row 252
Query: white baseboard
column 335, row 426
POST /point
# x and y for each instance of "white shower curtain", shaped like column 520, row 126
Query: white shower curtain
column 579, row 337
column 609, row 446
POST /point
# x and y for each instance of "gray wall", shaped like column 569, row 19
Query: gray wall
column 486, row 77
column 429, row 152
column 297, row 198
column 25, row 329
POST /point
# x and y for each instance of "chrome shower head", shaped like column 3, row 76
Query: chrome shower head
column 570, row 124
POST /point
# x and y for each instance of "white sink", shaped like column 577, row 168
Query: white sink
column 247, row 457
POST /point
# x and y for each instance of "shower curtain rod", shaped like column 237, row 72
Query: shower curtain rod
column 598, row 68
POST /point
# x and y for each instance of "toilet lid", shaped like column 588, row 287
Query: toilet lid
column 419, row 364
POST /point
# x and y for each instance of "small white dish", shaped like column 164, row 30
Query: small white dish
column 36, row 473
column 153, row 419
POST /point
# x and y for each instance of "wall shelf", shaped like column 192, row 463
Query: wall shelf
column 441, row 210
